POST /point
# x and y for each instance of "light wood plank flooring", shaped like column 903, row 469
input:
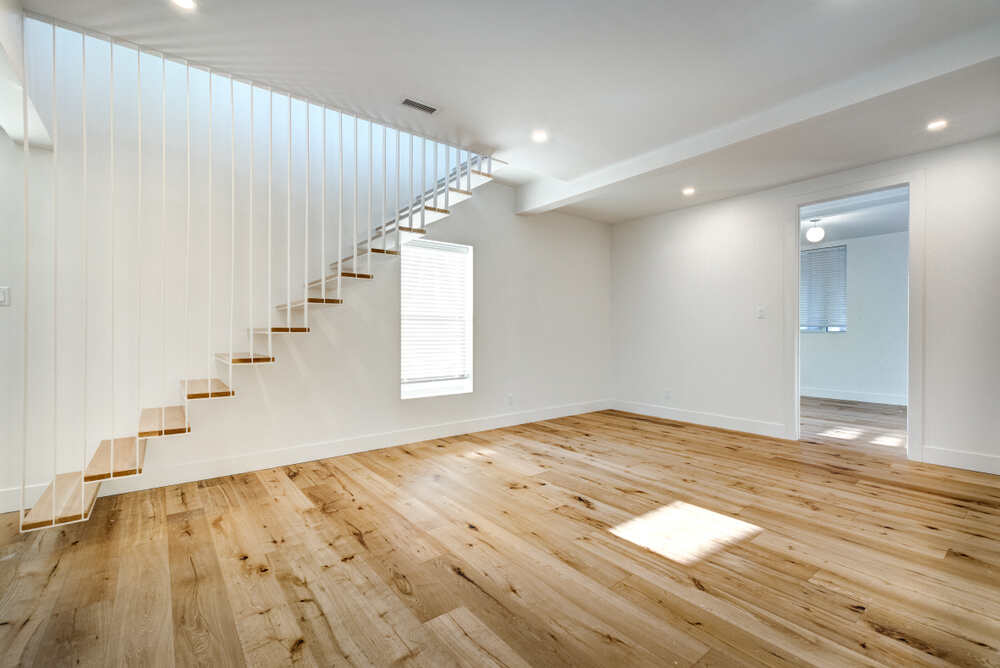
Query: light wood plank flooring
column 881, row 427
column 521, row 546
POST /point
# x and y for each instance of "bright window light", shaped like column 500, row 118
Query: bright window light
column 939, row 124
column 185, row 4
column 539, row 136
column 436, row 319
column 687, row 192
column 684, row 533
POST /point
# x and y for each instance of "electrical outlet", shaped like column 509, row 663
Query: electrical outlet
column 5, row 296
column 668, row 395
column 761, row 312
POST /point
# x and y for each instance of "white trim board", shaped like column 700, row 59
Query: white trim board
column 960, row 459
column 155, row 475
column 773, row 429
column 850, row 395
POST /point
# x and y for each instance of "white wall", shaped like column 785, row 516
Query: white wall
column 868, row 361
column 542, row 315
column 686, row 285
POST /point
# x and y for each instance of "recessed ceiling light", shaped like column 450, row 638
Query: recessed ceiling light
column 815, row 234
column 939, row 124
column 687, row 192
column 185, row 4
column 539, row 136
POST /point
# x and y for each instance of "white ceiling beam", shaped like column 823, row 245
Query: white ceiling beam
column 547, row 193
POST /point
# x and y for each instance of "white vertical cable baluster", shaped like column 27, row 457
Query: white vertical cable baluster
column 288, row 230
column 27, row 276
column 232, row 223
column 138, row 251
column 447, row 175
column 270, row 243
column 305, row 245
column 55, row 283
column 409, row 216
column 385, row 186
column 111, row 218
column 187, row 238
column 252, row 336
column 354, row 210
column 468, row 170
column 211, row 216
column 437, row 148
column 395, row 211
column 423, row 181
column 322, row 237
column 163, row 239
column 340, row 201
column 85, row 237
column 371, row 185
column 489, row 164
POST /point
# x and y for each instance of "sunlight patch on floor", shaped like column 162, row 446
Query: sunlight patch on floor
column 683, row 532
column 892, row 441
column 844, row 433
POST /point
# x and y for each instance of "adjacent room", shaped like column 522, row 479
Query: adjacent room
column 853, row 305
column 499, row 334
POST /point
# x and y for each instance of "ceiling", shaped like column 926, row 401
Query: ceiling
column 613, row 83
column 863, row 215
column 884, row 127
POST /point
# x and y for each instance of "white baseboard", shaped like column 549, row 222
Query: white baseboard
column 960, row 459
column 848, row 395
column 211, row 468
column 762, row 427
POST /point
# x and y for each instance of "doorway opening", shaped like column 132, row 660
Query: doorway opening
column 853, row 320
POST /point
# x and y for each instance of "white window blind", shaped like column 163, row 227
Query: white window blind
column 823, row 290
column 436, row 319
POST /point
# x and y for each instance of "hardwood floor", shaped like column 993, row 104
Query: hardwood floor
column 514, row 547
column 838, row 422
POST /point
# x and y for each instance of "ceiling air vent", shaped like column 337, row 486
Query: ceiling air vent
column 426, row 108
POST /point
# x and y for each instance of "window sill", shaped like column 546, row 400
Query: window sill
column 437, row 388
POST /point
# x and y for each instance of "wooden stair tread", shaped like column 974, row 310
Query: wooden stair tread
column 163, row 421
column 412, row 230
column 245, row 358
column 65, row 489
column 125, row 462
column 345, row 274
column 312, row 300
column 281, row 330
column 437, row 209
column 207, row 388
column 386, row 251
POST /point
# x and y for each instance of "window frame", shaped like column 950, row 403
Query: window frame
column 446, row 385
column 824, row 329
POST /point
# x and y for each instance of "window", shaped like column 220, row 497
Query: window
column 823, row 290
column 436, row 319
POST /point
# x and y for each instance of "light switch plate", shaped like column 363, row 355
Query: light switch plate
column 4, row 296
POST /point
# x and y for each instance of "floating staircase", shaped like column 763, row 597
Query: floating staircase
column 70, row 496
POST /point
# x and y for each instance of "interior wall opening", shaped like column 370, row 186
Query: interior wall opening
column 853, row 320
